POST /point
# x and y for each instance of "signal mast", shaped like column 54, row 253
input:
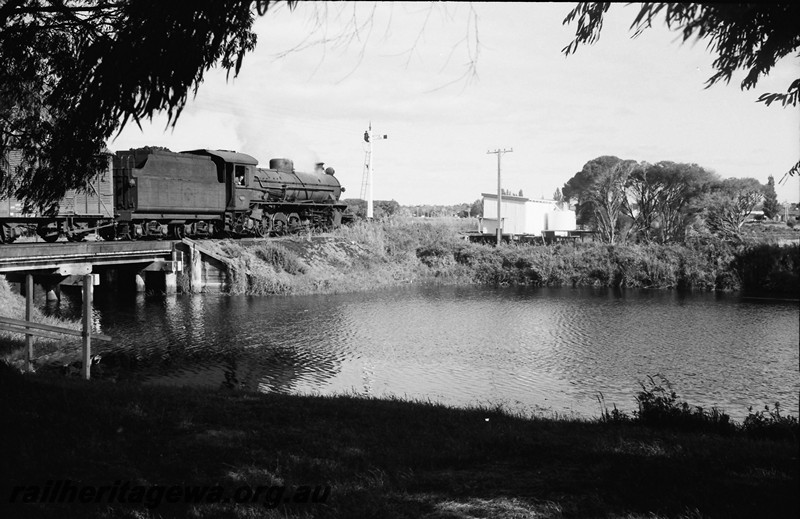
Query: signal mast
column 369, row 138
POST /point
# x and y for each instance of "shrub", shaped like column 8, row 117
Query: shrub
column 770, row 424
column 659, row 405
column 769, row 268
column 281, row 258
column 435, row 255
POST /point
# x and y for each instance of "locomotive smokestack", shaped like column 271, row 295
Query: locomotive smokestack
column 320, row 167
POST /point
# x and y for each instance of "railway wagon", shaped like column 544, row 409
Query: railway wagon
column 78, row 213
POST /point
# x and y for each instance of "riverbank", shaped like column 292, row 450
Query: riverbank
column 380, row 458
column 362, row 457
column 367, row 255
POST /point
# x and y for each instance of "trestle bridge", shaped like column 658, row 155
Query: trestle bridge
column 143, row 265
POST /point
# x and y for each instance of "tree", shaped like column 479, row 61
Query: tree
column 751, row 37
column 730, row 203
column 476, row 209
column 380, row 208
column 662, row 199
column 771, row 206
column 387, row 208
column 357, row 206
column 76, row 71
column 599, row 189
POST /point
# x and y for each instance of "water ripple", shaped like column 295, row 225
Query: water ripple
column 540, row 348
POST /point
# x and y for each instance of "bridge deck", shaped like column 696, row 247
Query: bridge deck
column 42, row 256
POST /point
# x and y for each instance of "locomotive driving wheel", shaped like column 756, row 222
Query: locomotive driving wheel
column 279, row 223
column 262, row 227
column 239, row 224
column 294, row 222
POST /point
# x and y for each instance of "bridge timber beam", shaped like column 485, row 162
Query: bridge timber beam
column 190, row 264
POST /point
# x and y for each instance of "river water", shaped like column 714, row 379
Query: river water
column 549, row 350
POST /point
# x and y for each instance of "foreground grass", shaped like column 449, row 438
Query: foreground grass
column 381, row 458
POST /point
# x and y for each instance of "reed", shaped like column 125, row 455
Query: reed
column 660, row 406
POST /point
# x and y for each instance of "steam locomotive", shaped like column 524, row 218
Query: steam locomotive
column 150, row 193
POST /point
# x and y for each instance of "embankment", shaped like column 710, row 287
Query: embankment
column 369, row 255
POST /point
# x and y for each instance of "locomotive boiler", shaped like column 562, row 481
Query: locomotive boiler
column 151, row 193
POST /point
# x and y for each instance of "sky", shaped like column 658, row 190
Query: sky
column 448, row 82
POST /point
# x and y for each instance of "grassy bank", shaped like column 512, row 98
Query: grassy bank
column 381, row 458
column 12, row 345
column 391, row 458
column 368, row 255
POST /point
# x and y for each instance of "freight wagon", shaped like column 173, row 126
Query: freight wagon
column 78, row 213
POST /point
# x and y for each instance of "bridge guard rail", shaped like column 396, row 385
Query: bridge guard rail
column 31, row 329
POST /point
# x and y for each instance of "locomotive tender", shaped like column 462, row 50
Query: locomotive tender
column 149, row 193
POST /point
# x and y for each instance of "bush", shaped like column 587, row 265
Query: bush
column 403, row 250
column 769, row 268
column 770, row 424
column 281, row 258
column 659, row 406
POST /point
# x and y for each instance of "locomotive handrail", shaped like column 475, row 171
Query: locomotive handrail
column 300, row 184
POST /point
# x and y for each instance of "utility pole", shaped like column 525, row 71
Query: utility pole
column 499, row 153
column 369, row 138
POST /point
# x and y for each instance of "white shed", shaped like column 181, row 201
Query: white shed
column 523, row 215
column 513, row 212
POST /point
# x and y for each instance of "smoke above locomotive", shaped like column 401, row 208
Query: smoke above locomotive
column 156, row 193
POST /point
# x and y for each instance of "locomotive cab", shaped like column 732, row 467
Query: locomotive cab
column 235, row 171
